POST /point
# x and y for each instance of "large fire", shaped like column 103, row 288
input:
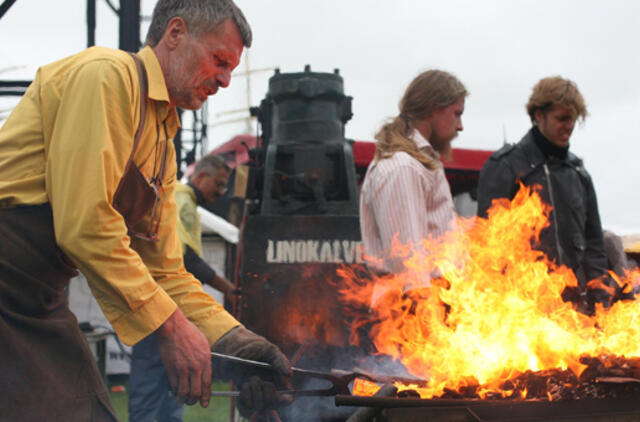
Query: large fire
column 494, row 312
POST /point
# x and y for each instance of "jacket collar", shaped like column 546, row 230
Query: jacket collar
column 536, row 157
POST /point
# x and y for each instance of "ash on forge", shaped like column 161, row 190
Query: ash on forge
column 494, row 323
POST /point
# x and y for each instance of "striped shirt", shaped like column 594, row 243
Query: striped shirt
column 401, row 198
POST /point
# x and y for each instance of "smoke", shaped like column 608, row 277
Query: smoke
column 383, row 365
column 315, row 409
column 325, row 359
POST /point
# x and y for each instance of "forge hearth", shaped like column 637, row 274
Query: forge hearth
column 448, row 410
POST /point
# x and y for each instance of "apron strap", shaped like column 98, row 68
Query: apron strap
column 134, row 197
column 144, row 94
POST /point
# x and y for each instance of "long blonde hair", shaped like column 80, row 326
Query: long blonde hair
column 428, row 92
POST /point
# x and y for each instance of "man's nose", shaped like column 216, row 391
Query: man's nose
column 460, row 127
column 224, row 78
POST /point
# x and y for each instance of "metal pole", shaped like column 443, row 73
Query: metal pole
column 130, row 25
column 248, row 70
column 91, row 23
column 177, row 144
column 5, row 6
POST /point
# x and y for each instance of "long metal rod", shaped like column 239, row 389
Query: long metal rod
column 225, row 393
column 329, row 376
column 265, row 365
column 298, row 393
column 129, row 24
column 112, row 7
column 5, row 6
column 14, row 84
column 235, row 359
column 91, row 23
column 12, row 93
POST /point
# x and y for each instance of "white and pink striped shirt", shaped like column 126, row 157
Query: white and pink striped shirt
column 400, row 196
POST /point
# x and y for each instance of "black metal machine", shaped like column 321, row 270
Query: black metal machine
column 301, row 222
column 308, row 163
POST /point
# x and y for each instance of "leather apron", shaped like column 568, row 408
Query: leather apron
column 47, row 371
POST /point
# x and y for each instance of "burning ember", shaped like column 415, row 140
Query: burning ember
column 493, row 323
column 362, row 387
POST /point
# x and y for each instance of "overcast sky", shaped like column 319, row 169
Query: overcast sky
column 499, row 49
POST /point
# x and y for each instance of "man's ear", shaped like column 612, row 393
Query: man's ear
column 175, row 32
column 538, row 116
column 196, row 179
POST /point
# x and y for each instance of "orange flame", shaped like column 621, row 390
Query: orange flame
column 496, row 309
column 362, row 387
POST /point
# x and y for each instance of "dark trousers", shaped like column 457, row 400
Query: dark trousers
column 150, row 396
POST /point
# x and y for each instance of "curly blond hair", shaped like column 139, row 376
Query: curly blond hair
column 555, row 90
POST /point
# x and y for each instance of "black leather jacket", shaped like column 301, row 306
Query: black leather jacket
column 574, row 237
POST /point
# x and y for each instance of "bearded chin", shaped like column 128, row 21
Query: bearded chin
column 177, row 79
column 173, row 83
column 443, row 147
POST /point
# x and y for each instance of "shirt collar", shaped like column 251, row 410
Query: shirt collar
column 157, row 86
column 423, row 144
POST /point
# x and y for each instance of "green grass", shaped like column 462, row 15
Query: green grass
column 218, row 410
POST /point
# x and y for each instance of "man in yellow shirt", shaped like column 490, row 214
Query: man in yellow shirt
column 207, row 183
column 150, row 396
column 87, row 179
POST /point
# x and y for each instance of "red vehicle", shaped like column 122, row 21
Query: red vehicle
column 462, row 171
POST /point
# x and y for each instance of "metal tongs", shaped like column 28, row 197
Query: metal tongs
column 339, row 379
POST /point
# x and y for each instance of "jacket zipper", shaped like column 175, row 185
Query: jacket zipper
column 555, row 221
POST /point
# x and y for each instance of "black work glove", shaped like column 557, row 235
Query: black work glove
column 578, row 296
column 257, row 386
column 257, row 395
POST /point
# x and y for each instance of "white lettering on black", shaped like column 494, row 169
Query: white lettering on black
column 313, row 251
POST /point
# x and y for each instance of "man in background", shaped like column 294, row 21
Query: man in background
column 207, row 183
column 574, row 237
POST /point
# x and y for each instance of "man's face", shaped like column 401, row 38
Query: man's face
column 556, row 124
column 203, row 64
column 212, row 187
column 445, row 124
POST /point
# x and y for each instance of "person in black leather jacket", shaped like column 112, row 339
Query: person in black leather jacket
column 574, row 237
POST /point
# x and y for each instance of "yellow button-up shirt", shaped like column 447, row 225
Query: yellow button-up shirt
column 67, row 143
column 189, row 226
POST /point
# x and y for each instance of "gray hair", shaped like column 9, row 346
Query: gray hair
column 210, row 164
column 200, row 16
